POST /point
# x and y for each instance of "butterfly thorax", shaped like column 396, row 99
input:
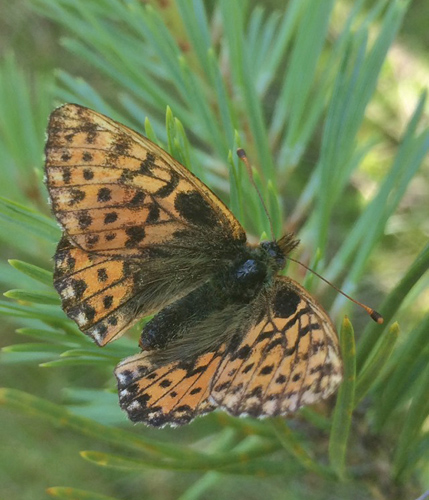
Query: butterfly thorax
column 237, row 283
column 246, row 275
column 262, row 262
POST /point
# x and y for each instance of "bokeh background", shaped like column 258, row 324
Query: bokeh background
column 53, row 52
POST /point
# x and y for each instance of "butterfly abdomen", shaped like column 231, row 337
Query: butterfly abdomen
column 177, row 318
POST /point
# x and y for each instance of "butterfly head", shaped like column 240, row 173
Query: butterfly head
column 276, row 251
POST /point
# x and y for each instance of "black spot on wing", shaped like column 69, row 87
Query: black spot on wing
column 102, row 330
column 76, row 196
column 66, row 175
column 248, row 367
column 154, row 214
column 306, row 329
column 78, row 287
column 285, row 302
column 147, row 164
column 222, row 387
column 107, row 301
column 256, row 392
column 91, row 136
column 234, row 343
column 304, row 311
column 91, row 132
column 137, row 200
column 120, row 147
column 65, row 260
column 110, row 217
column 242, row 353
column 89, row 312
column 264, row 335
column 102, row 274
column 104, row 194
column 266, row 370
column 324, row 369
column 88, row 174
column 112, row 320
column 280, row 340
column 84, row 219
column 236, row 388
column 135, row 235
column 195, row 209
column 92, row 239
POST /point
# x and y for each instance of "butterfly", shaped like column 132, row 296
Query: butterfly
column 142, row 235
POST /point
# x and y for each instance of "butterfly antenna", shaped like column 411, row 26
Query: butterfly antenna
column 376, row 316
column 243, row 157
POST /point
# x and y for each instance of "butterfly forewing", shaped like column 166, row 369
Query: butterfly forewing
column 116, row 193
column 288, row 359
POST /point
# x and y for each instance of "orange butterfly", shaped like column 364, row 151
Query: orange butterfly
column 142, row 235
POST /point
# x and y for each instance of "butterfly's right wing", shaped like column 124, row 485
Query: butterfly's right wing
column 171, row 394
column 289, row 358
column 272, row 356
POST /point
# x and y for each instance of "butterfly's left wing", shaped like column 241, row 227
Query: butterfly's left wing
column 289, row 358
column 115, row 193
column 140, row 230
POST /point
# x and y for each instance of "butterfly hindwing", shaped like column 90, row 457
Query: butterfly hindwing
column 288, row 359
column 166, row 394
column 100, row 294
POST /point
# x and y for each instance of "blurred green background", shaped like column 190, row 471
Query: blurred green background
column 293, row 84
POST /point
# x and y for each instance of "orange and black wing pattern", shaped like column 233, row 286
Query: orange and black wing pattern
column 167, row 394
column 100, row 294
column 133, row 217
column 288, row 358
column 116, row 193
